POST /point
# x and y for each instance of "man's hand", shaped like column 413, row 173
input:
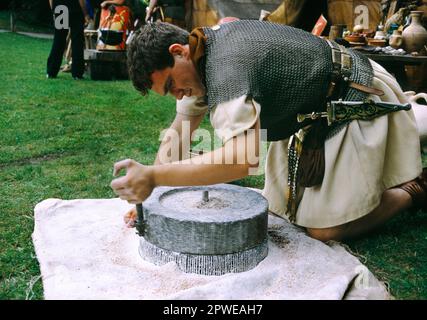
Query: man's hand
column 136, row 185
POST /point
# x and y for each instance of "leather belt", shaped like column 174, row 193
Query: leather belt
column 341, row 72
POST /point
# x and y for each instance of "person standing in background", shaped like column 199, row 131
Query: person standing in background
column 77, row 16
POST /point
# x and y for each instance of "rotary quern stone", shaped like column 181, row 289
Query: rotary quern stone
column 209, row 230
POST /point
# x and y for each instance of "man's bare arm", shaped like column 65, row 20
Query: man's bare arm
column 225, row 164
column 209, row 168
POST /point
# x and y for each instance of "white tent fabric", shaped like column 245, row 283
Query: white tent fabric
column 86, row 252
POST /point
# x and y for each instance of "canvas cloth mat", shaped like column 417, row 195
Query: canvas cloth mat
column 86, row 252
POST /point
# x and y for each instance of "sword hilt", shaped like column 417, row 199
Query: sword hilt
column 313, row 116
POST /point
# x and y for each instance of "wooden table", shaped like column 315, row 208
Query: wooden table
column 395, row 64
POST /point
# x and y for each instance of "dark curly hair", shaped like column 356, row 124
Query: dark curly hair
column 149, row 51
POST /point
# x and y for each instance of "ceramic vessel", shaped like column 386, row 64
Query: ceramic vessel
column 396, row 39
column 336, row 31
column 380, row 34
column 414, row 36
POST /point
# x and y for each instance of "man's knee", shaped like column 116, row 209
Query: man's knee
column 326, row 234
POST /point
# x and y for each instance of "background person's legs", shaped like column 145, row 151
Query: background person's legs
column 77, row 45
column 67, row 55
column 55, row 57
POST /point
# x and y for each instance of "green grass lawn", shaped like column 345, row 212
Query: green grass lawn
column 59, row 139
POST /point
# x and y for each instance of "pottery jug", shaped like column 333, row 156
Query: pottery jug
column 396, row 39
column 414, row 36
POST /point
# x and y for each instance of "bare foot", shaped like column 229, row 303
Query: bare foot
column 130, row 218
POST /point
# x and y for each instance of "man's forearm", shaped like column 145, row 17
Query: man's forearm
column 225, row 164
column 233, row 161
column 184, row 174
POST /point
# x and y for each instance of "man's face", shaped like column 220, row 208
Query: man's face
column 180, row 80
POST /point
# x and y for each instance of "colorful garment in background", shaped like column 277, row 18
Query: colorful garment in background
column 115, row 18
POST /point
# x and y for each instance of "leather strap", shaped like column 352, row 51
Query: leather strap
column 417, row 189
column 342, row 63
column 365, row 89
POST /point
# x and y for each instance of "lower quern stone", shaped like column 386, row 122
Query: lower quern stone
column 209, row 230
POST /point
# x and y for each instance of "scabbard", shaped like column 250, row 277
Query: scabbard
column 344, row 111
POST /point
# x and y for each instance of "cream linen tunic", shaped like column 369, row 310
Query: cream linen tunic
column 361, row 161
